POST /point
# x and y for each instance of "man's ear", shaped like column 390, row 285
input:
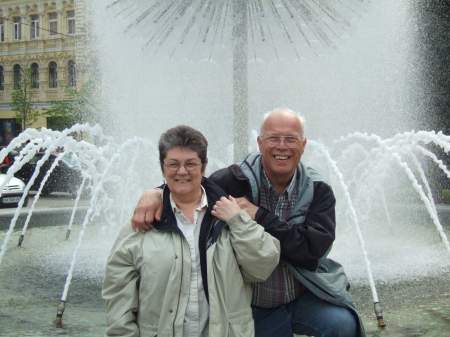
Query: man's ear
column 259, row 141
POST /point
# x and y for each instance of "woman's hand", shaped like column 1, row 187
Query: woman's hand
column 225, row 208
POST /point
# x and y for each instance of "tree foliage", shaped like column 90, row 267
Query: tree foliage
column 22, row 101
column 81, row 108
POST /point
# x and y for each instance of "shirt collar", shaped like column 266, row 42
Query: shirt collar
column 203, row 202
column 291, row 187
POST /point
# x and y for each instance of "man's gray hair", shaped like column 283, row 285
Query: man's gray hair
column 284, row 110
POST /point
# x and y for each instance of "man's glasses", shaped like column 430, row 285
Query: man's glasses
column 189, row 166
column 289, row 141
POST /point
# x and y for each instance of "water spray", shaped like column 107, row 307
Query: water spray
column 385, row 207
column 406, row 143
column 429, row 204
column 46, row 139
column 354, row 217
column 89, row 215
column 38, row 194
column 75, row 207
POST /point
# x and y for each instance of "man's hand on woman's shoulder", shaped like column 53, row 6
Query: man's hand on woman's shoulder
column 148, row 210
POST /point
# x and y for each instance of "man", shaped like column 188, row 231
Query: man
column 307, row 293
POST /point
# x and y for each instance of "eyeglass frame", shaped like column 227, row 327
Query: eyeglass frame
column 275, row 140
column 188, row 165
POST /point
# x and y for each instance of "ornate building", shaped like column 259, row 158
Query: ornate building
column 46, row 38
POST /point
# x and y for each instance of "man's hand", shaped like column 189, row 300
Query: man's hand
column 247, row 206
column 148, row 209
column 225, row 208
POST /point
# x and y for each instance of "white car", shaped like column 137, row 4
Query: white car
column 12, row 192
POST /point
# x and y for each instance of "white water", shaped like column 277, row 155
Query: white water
column 367, row 82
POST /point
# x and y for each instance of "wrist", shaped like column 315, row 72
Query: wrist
column 239, row 219
column 261, row 215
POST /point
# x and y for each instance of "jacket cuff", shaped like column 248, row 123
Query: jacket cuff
column 239, row 219
column 261, row 215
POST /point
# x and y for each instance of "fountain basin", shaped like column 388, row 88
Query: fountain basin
column 32, row 279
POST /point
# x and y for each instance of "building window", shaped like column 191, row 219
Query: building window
column 72, row 78
column 53, row 23
column 17, row 76
column 34, row 27
column 2, row 79
column 17, row 22
column 71, row 22
column 8, row 130
column 35, row 76
column 2, row 31
column 52, row 75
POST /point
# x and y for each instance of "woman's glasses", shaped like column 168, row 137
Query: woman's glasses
column 174, row 166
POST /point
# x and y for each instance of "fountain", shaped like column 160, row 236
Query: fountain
column 386, row 212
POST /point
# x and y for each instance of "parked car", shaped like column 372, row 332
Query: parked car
column 12, row 192
column 6, row 163
column 66, row 177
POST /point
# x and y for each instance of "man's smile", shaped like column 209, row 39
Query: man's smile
column 281, row 157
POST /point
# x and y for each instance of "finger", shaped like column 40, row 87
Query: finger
column 149, row 218
column 137, row 221
column 134, row 224
column 241, row 202
column 142, row 227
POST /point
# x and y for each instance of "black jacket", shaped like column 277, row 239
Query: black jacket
column 303, row 244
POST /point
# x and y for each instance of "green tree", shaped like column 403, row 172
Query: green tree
column 80, row 108
column 22, row 100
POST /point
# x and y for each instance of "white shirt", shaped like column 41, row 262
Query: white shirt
column 197, row 311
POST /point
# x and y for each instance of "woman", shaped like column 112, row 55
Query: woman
column 190, row 275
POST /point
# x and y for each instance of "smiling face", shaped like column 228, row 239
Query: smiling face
column 281, row 144
column 183, row 171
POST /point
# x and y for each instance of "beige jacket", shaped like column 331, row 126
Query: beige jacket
column 147, row 280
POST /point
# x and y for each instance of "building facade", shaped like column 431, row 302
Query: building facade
column 43, row 38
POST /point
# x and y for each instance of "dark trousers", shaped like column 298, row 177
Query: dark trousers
column 307, row 315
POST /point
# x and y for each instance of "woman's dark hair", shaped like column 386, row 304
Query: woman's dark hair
column 183, row 136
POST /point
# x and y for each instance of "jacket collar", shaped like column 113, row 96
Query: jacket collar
column 203, row 202
column 251, row 168
column 168, row 220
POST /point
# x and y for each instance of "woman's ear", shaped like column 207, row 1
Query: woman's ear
column 204, row 166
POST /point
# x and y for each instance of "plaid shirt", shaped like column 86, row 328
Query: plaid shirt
column 281, row 287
